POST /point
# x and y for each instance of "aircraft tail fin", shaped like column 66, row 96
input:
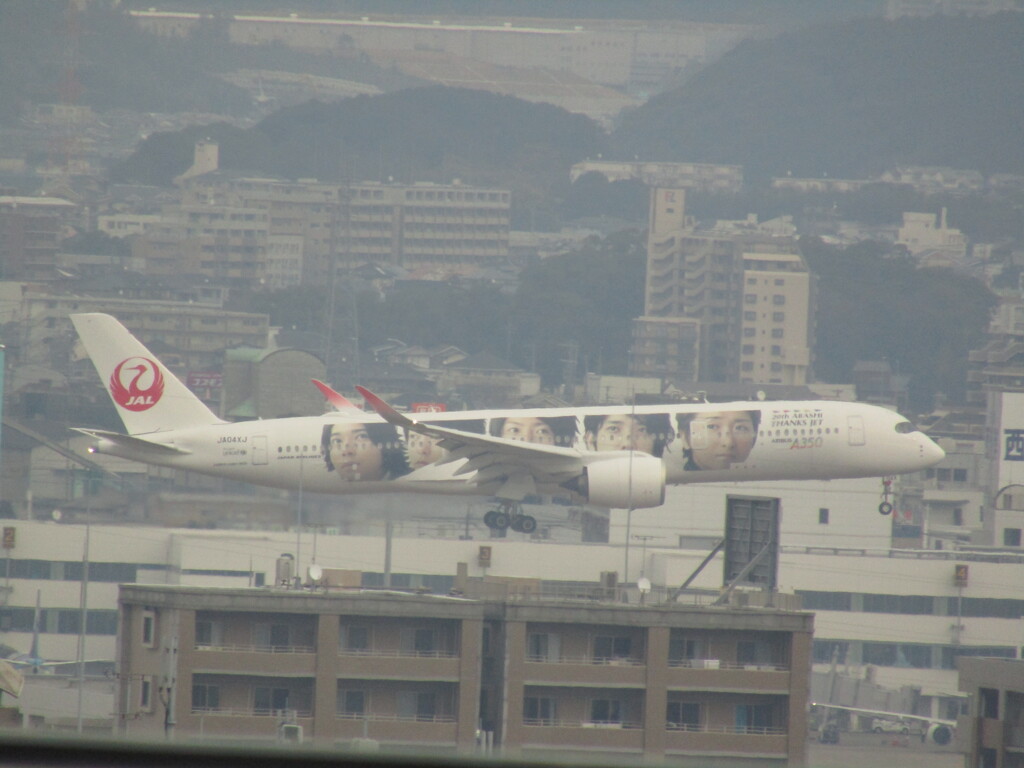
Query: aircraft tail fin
column 148, row 397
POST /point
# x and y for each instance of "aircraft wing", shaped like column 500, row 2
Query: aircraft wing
column 521, row 465
column 883, row 713
column 11, row 680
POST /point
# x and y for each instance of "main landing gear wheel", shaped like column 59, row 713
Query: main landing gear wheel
column 885, row 508
column 510, row 515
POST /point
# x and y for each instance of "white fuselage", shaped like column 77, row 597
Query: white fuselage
column 739, row 441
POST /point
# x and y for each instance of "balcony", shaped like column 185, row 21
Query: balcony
column 585, row 671
column 283, row 660
column 734, row 739
column 234, row 723
column 620, row 736
column 419, row 728
column 725, row 675
column 398, row 665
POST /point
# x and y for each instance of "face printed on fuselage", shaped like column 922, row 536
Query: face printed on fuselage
column 353, row 454
column 422, row 450
column 718, row 439
column 621, row 432
column 528, row 429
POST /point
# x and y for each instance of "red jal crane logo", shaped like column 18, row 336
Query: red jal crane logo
column 142, row 390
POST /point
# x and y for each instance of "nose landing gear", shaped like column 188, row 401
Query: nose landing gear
column 885, row 508
column 509, row 514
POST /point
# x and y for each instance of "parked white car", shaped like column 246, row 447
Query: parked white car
column 885, row 725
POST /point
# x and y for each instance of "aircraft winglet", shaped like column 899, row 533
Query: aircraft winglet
column 389, row 414
column 336, row 399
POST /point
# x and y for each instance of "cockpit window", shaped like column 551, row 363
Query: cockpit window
column 904, row 427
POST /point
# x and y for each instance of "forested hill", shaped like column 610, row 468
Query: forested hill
column 420, row 134
column 849, row 100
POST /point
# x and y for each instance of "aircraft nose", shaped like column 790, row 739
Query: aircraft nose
column 932, row 452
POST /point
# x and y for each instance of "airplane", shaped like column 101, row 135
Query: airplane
column 936, row 729
column 609, row 456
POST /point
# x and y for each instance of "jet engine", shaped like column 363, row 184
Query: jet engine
column 624, row 482
column 940, row 733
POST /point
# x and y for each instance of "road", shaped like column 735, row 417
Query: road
column 869, row 750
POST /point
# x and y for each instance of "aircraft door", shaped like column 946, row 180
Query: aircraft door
column 855, row 430
column 258, row 449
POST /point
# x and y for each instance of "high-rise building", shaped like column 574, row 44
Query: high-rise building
column 749, row 292
column 30, row 232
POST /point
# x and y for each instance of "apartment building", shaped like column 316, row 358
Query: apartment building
column 451, row 674
column 298, row 230
column 992, row 734
column 427, row 229
column 302, row 219
column 750, row 292
column 223, row 243
column 30, row 232
column 777, row 317
column 190, row 338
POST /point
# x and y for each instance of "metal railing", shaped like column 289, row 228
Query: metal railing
column 237, row 648
column 377, row 717
column 397, row 654
column 249, row 712
column 719, row 664
column 587, row 660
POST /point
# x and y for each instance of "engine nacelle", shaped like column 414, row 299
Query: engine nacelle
column 940, row 733
column 624, row 482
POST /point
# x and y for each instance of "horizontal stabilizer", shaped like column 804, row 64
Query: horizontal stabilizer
column 130, row 443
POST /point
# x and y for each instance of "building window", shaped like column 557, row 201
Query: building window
column 355, row 638
column 959, row 475
column 778, row 300
column 778, row 333
column 750, row 316
column 776, row 350
column 823, row 516
column 747, row 365
column 419, row 642
column 749, row 332
column 1011, row 537
column 146, row 694
column 608, row 647
column 149, row 629
column 988, row 703
column 605, row 711
column 538, row 710
column 958, row 516
column 682, row 649
column 416, row 705
column 750, row 298
column 682, row 716
column 208, row 633
column 753, row 718
column 351, row 702
column 543, row 647
column 778, row 317
column 205, row 697
column 268, row 701
column 748, row 349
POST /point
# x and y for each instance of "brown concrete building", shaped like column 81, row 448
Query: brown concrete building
column 416, row 672
column 992, row 735
column 30, row 233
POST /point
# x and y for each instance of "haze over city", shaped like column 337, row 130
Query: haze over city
column 509, row 204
